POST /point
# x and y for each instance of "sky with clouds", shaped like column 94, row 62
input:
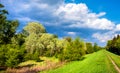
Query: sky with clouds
column 92, row 20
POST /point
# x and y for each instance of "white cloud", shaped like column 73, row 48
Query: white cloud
column 59, row 13
column 104, row 37
column 101, row 24
column 101, row 37
column 117, row 27
column 101, row 14
column 71, row 33
column 72, row 11
column 80, row 17
column 77, row 15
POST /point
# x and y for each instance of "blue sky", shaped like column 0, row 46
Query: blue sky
column 92, row 20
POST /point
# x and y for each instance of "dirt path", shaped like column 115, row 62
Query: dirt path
column 116, row 67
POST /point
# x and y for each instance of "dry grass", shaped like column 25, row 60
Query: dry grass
column 48, row 64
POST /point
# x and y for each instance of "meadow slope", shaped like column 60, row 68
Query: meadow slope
column 97, row 62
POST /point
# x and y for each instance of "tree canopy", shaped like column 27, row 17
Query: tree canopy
column 114, row 45
column 7, row 27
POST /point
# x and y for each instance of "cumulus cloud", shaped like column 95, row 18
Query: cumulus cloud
column 104, row 37
column 81, row 17
column 65, row 15
column 77, row 15
column 40, row 10
column 117, row 27
column 72, row 11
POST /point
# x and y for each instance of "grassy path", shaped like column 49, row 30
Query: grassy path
column 115, row 59
column 97, row 62
column 116, row 67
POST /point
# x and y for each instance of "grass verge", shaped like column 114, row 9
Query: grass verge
column 115, row 58
column 97, row 62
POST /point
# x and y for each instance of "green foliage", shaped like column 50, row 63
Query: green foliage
column 12, row 58
column 33, row 43
column 34, row 27
column 11, row 50
column 3, row 51
column 114, row 45
column 96, row 47
column 10, row 55
column 73, row 50
column 89, row 48
column 34, row 56
column 38, row 41
column 69, row 39
column 97, row 62
column 7, row 27
column 35, row 31
column 18, row 39
column 51, row 44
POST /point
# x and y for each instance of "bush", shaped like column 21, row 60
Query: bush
column 11, row 56
column 90, row 48
column 3, row 51
column 12, row 59
column 73, row 50
column 30, row 56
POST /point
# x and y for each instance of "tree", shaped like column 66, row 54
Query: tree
column 34, row 56
column 69, row 39
column 7, row 27
column 114, row 45
column 10, row 55
column 12, row 59
column 3, row 51
column 89, row 48
column 95, row 47
column 34, row 27
column 31, row 43
column 11, row 52
column 49, row 43
column 73, row 50
column 35, row 31
column 18, row 39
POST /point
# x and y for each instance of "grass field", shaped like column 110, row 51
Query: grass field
column 115, row 57
column 97, row 62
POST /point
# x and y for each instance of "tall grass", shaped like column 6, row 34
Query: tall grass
column 32, row 66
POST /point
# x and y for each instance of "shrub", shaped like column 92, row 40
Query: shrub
column 11, row 56
column 73, row 50
column 30, row 56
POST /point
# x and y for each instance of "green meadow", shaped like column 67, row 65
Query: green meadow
column 97, row 62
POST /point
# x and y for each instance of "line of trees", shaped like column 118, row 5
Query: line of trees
column 114, row 45
column 34, row 41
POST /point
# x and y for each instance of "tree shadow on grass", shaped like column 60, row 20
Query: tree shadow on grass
column 82, row 58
